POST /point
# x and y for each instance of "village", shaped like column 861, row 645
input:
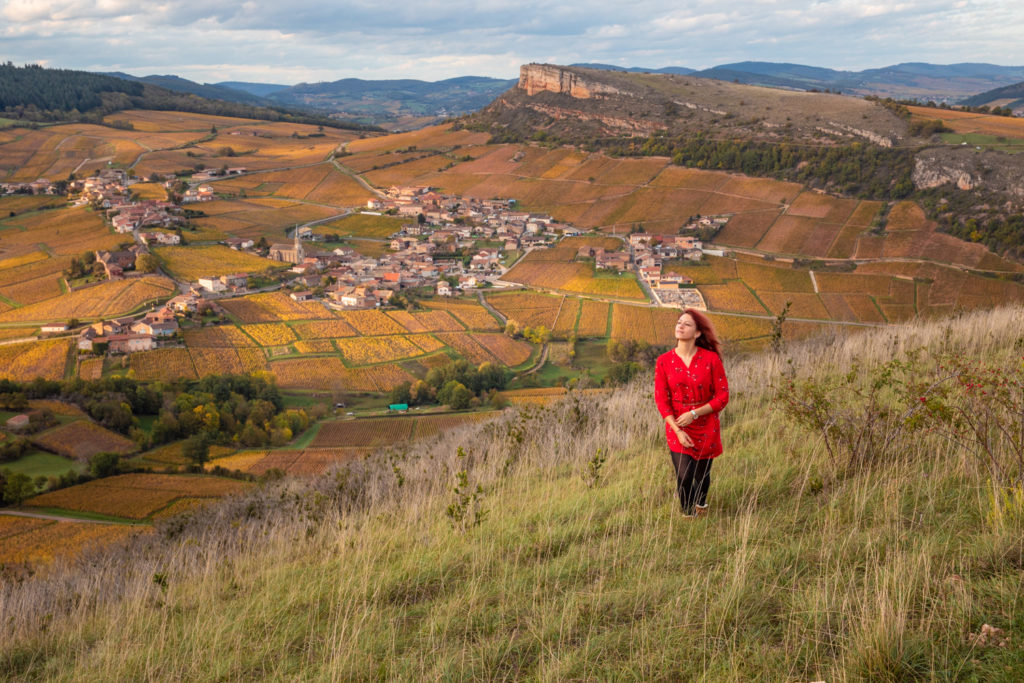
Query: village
column 439, row 252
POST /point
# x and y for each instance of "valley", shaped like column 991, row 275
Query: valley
column 542, row 315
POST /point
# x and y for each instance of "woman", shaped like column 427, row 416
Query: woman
column 690, row 389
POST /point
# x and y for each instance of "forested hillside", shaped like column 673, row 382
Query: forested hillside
column 34, row 93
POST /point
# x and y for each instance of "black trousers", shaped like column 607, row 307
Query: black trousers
column 693, row 477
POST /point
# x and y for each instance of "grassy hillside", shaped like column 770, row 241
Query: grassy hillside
column 514, row 550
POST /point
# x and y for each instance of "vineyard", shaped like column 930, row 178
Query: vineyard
column 83, row 439
column 28, row 360
column 24, row 540
column 135, row 496
column 528, row 308
column 193, row 262
column 651, row 325
column 472, row 316
column 386, row 431
column 556, row 270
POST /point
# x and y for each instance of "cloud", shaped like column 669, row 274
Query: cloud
column 435, row 39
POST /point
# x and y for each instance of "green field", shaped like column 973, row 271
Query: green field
column 43, row 464
column 1000, row 143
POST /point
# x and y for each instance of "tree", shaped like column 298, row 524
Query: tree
column 146, row 263
column 401, row 393
column 17, row 488
column 197, row 449
column 455, row 395
column 104, row 465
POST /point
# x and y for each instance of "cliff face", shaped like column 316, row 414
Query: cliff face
column 969, row 169
column 535, row 78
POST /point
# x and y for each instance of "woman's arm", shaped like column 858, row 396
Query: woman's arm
column 662, row 393
column 719, row 386
column 719, row 395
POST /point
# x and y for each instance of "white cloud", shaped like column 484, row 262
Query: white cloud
column 435, row 39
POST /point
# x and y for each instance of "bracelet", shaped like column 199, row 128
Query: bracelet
column 694, row 414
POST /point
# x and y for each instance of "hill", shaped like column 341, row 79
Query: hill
column 396, row 104
column 33, row 93
column 206, row 90
column 1010, row 96
column 548, row 545
column 578, row 105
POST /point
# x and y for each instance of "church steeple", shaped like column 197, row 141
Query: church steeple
column 299, row 252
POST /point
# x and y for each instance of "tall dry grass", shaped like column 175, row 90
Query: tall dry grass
column 804, row 570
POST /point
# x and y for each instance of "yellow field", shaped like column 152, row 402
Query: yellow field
column 270, row 334
column 109, row 298
column 214, row 361
column 328, row 373
column 467, row 347
column 37, row 541
column 370, row 350
column 83, row 439
column 472, row 316
column 652, row 325
column 136, row 496
column 511, row 352
column 163, row 364
column 324, row 329
column 593, row 319
column 192, row 263
column 28, row 360
column 371, row 322
column 733, row 296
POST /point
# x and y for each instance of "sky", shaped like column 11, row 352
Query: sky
column 274, row 41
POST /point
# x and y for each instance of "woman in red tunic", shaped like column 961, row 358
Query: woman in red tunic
column 690, row 389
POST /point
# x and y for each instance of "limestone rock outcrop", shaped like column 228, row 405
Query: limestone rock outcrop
column 536, row 78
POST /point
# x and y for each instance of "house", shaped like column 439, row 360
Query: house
column 86, row 337
column 158, row 237
column 184, row 303
column 128, row 343
column 613, row 261
column 54, row 328
column 304, row 295
column 235, row 281
column 154, row 328
column 443, row 288
column 18, row 423
column 212, row 284
column 239, row 243
column 468, row 281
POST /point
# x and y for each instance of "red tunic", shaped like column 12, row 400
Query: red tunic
column 678, row 389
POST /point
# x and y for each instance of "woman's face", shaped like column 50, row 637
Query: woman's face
column 686, row 328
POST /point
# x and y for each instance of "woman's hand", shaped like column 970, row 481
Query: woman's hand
column 673, row 423
column 685, row 419
column 684, row 438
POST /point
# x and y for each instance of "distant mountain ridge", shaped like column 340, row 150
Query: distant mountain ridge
column 35, row 93
column 910, row 80
column 207, row 90
column 403, row 103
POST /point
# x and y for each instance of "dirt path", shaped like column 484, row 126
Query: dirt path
column 57, row 518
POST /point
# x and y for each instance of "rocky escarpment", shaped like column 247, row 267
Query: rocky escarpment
column 535, row 78
column 969, row 169
column 549, row 100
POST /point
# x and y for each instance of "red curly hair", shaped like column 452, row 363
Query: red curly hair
column 707, row 339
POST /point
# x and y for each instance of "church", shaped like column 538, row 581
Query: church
column 291, row 253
